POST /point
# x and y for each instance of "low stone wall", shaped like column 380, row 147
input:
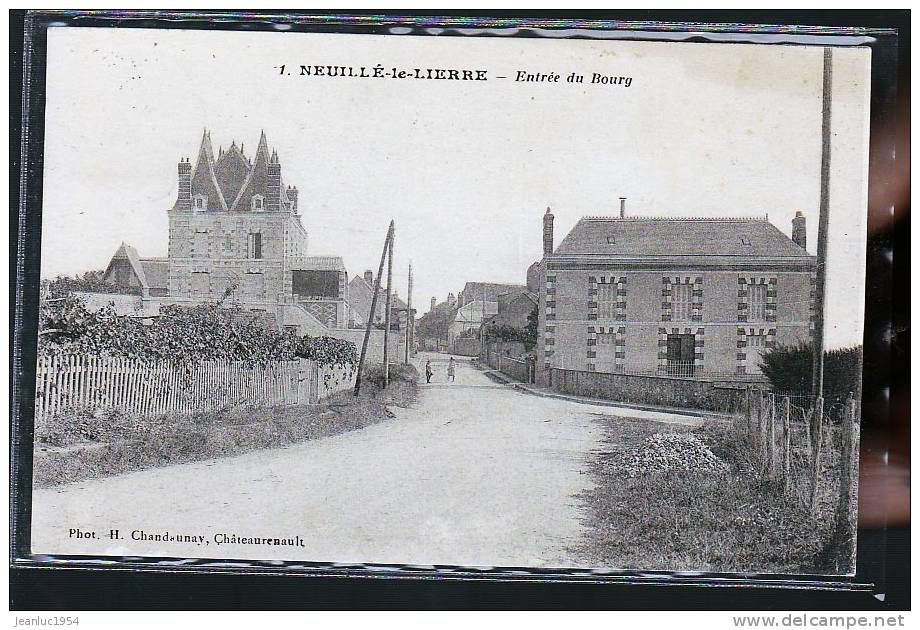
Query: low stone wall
column 666, row 391
column 467, row 346
column 515, row 368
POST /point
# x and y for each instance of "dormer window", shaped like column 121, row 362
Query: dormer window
column 200, row 203
column 258, row 203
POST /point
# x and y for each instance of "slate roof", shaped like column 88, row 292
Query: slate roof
column 488, row 290
column 126, row 252
column 156, row 271
column 231, row 179
column 637, row 237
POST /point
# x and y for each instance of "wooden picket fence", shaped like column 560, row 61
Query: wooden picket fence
column 149, row 387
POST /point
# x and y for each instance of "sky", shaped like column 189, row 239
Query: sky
column 466, row 169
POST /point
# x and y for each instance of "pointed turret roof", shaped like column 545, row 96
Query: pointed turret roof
column 204, row 180
column 256, row 178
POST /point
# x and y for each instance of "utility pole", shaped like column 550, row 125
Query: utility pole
column 386, row 318
column 410, row 320
column 817, row 372
column 370, row 318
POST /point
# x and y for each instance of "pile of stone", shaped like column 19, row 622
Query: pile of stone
column 663, row 452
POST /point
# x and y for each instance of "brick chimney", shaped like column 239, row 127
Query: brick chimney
column 434, row 303
column 369, row 277
column 622, row 207
column 798, row 229
column 184, row 201
column 548, row 232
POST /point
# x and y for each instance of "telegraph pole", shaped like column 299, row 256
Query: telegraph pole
column 386, row 319
column 370, row 319
column 410, row 320
column 817, row 372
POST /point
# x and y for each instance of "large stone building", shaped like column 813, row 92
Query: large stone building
column 673, row 297
column 235, row 235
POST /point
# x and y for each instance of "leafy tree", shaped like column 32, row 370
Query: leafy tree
column 435, row 323
column 506, row 332
column 789, row 369
column 533, row 322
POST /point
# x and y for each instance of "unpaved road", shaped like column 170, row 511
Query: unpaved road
column 475, row 474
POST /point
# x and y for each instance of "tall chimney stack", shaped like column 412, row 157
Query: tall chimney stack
column 369, row 277
column 798, row 229
column 548, row 232
column 434, row 302
column 622, row 207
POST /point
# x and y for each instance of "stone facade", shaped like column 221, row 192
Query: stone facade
column 235, row 233
column 630, row 296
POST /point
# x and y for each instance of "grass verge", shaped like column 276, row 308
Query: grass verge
column 82, row 446
column 717, row 521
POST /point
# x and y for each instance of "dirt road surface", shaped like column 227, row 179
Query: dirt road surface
column 475, row 474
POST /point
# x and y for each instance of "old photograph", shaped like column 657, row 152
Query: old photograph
column 494, row 302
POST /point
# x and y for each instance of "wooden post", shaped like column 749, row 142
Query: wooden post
column 817, row 434
column 771, row 436
column 370, row 318
column 410, row 320
column 386, row 317
column 846, row 508
column 787, row 443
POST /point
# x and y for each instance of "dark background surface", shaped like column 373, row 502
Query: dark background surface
column 884, row 541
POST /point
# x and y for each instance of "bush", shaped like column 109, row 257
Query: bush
column 90, row 282
column 789, row 369
column 189, row 334
column 401, row 372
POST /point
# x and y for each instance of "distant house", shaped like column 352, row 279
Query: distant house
column 514, row 309
column 486, row 291
column 468, row 320
column 360, row 296
column 127, row 269
column 673, row 297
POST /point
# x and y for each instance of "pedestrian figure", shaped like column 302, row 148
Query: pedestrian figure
column 428, row 371
column 451, row 370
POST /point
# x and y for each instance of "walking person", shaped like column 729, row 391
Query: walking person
column 428, row 371
column 451, row 370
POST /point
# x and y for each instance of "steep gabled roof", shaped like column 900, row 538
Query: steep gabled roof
column 126, row 252
column 257, row 178
column 650, row 237
column 204, row 181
